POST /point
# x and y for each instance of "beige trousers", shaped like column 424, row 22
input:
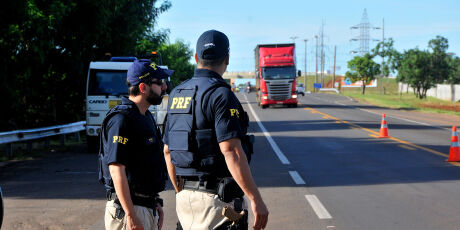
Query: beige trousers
column 198, row 210
column 145, row 215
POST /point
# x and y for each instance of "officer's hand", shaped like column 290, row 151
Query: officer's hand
column 133, row 222
column 260, row 213
column 160, row 216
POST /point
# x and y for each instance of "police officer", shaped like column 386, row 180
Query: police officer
column 132, row 165
column 207, row 147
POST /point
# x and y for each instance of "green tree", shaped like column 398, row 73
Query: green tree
column 46, row 46
column 363, row 68
column 454, row 73
column 177, row 56
column 390, row 54
column 439, row 59
column 415, row 69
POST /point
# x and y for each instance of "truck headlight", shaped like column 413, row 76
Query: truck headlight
column 294, row 96
column 265, row 97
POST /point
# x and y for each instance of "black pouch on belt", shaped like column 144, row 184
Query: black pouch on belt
column 228, row 189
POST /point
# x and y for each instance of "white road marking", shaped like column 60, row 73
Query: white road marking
column 318, row 207
column 275, row 147
column 420, row 123
column 296, row 177
column 365, row 110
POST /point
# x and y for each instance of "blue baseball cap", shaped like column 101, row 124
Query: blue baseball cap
column 212, row 44
column 143, row 70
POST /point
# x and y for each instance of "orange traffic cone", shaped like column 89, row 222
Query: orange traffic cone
column 454, row 153
column 383, row 128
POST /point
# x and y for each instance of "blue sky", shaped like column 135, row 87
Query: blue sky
column 248, row 23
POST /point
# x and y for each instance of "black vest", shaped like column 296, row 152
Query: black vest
column 158, row 182
column 192, row 137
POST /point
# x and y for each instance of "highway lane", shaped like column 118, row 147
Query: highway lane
column 362, row 181
column 336, row 174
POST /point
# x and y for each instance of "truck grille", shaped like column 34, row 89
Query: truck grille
column 279, row 90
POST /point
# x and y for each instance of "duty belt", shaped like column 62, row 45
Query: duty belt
column 204, row 186
column 137, row 199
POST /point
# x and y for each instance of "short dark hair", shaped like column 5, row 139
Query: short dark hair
column 133, row 90
column 212, row 62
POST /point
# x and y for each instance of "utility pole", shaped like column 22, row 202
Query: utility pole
column 322, row 54
column 333, row 73
column 316, row 72
column 383, row 54
column 305, row 71
column 383, row 42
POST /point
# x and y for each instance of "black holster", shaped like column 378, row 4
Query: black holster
column 119, row 212
column 228, row 190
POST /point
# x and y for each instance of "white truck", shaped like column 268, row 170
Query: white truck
column 106, row 84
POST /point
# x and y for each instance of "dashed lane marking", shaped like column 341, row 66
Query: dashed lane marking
column 318, row 207
column 296, row 177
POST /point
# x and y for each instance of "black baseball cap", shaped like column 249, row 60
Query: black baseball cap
column 143, row 70
column 212, row 44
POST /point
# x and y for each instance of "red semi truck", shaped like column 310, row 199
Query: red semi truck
column 276, row 75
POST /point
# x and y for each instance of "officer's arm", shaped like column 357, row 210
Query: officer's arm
column 238, row 166
column 120, row 182
column 171, row 168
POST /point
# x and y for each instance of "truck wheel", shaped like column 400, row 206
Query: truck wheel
column 264, row 106
column 294, row 105
column 92, row 142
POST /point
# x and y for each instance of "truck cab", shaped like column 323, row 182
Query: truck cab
column 276, row 75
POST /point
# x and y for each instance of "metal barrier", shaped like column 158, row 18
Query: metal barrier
column 330, row 89
column 31, row 134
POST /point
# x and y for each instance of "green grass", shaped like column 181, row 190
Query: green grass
column 388, row 96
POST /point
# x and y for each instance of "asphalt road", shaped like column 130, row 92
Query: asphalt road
column 318, row 166
column 360, row 181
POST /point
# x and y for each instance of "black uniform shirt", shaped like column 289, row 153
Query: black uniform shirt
column 224, row 108
column 131, row 140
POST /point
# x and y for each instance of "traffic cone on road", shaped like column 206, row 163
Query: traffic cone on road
column 383, row 128
column 454, row 153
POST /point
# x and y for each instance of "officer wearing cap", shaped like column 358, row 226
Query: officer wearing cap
column 207, row 147
column 132, row 165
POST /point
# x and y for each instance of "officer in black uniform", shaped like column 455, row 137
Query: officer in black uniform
column 207, row 147
column 132, row 165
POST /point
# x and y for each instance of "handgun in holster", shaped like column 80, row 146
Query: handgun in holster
column 119, row 212
column 237, row 216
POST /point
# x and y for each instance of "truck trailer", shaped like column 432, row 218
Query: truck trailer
column 276, row 75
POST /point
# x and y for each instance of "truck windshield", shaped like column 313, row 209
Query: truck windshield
column 271, row 73
column 107, row 82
